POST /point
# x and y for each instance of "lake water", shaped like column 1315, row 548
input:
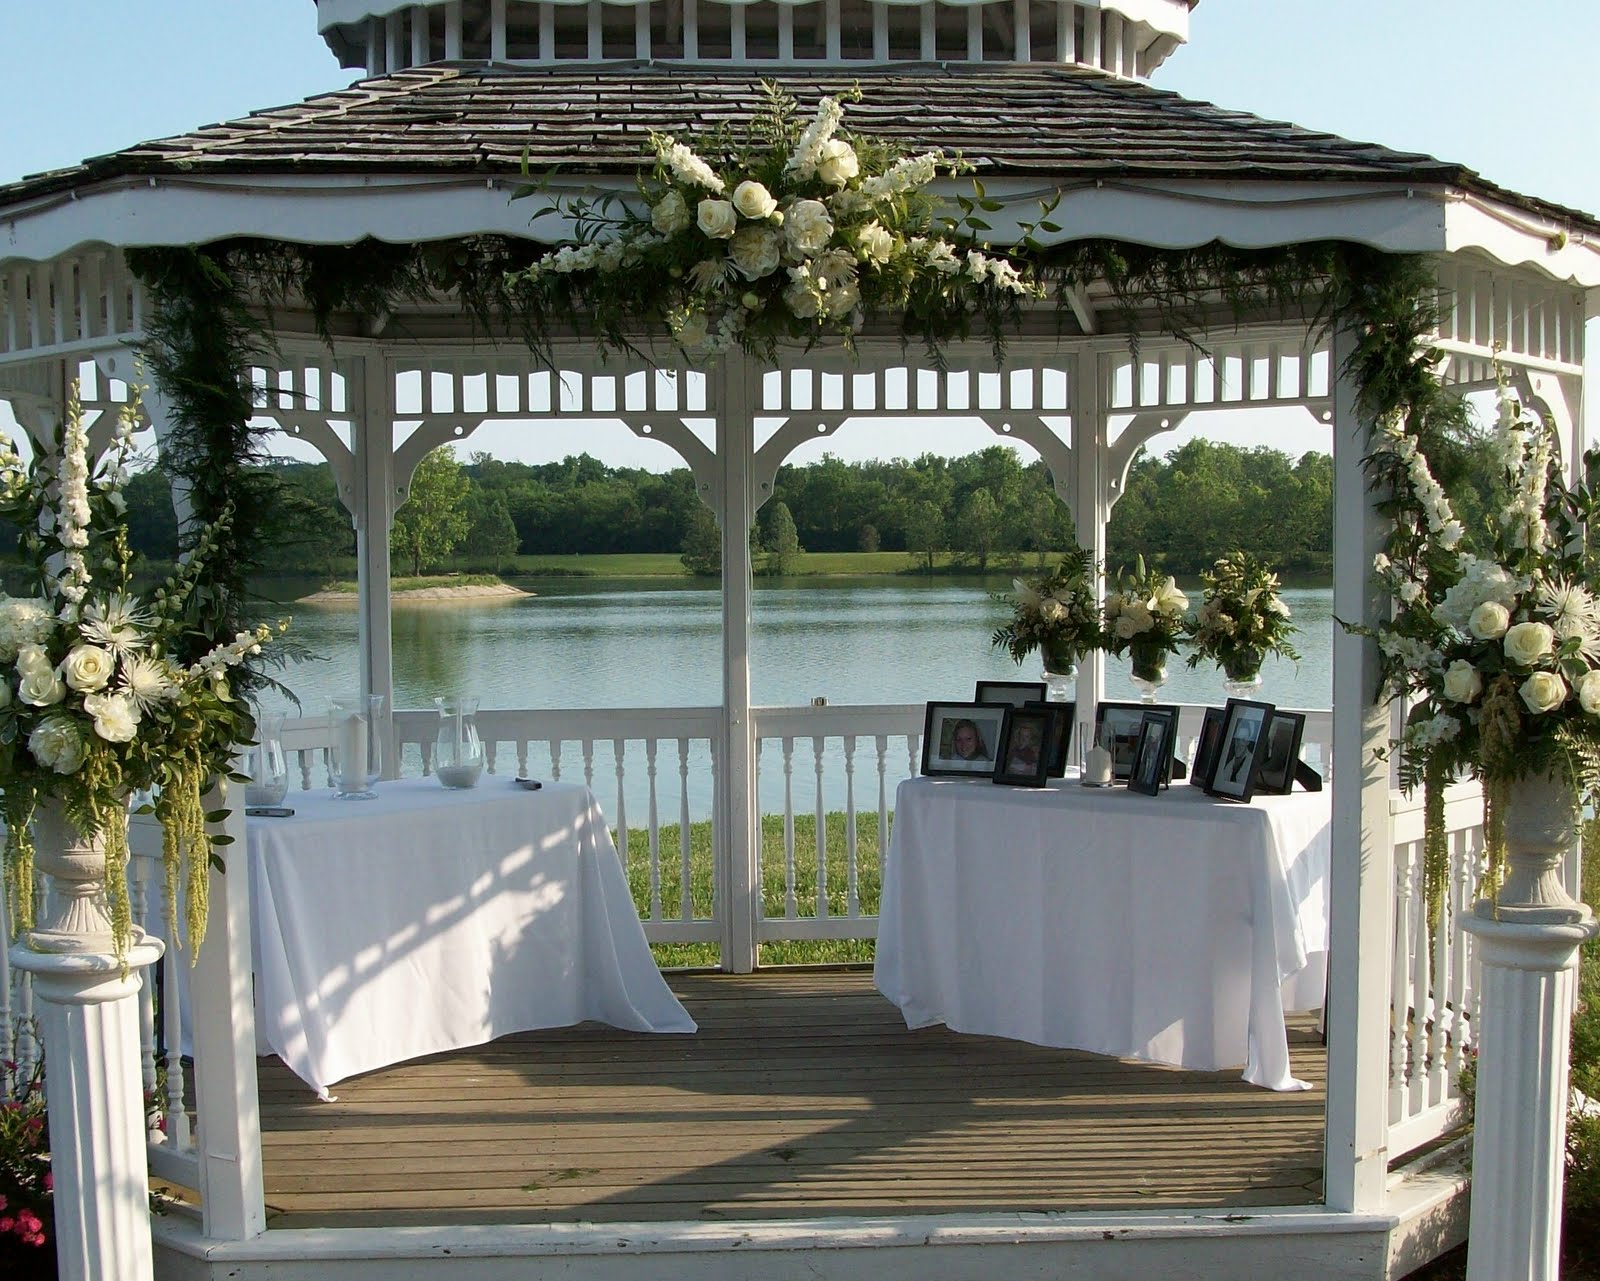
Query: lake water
column 613, row 643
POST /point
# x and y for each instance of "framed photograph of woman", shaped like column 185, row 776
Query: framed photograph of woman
column 1122, row 721
column 1284, row 731
column 1059, row 737
column 1023, row 757
column 1152, row 755
column 1012, row 693
column 960, row 738
column 1205, row 748
column 1244, row 743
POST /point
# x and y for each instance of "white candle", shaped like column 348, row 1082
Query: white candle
column 353, row 754
column 1097, row 766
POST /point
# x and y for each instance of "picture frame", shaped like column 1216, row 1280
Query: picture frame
column 1239, row 752
column 1012, row 693
column 1277, row 774
column 1060, row 734
column 1123, row 720
column 1205, row 748
column 1152, row 759
column 1023, row 756
column 959, row 738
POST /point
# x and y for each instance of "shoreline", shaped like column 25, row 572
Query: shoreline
column 427, row 595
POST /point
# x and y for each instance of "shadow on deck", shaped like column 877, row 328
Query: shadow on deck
column 803, row 1094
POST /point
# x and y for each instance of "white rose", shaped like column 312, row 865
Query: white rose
column 1124, row 627
column 755, row 252
column 837, row 163
column 1462, row 682
column 842, row 298
column 1589, row 692
column 1489, row 620
column 717, row 218
column 1139, row 614
column 32, row 661
column 56, row 744
column 670, row 215
column 753, row 200
column 88, row 668
column 1543, row 692
column 876, row 243
column 807, row 227
column 115, row 718
column 41, row 689
column 693, row 332
column 800, row 300
column 1527, row 643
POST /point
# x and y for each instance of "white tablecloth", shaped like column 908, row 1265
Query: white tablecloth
column 427, row 919
column 1175, row 928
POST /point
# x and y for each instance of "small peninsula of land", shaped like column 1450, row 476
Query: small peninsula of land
column 475, row 588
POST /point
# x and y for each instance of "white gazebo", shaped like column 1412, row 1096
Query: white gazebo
column 1048, row 98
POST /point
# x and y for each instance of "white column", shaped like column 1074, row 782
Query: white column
column 1090, row 511
column 89, row 1011
column 1361, row 894
column 736, row 780
column 375, row 501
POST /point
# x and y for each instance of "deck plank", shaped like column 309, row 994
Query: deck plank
column 802, row 1094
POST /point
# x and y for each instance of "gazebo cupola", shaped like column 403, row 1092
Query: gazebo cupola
column 1127, row 38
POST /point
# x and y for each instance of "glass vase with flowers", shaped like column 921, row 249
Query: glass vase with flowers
column 1059, row 616
column 1144, row 619
column 1240, row 620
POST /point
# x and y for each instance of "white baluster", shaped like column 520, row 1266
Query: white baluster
column 791, row 908
column 655, row 831
column 588, row 763
column 817, row 744
column 618, row 749
column 882, row 742
column 555, row 760
column 685, row 887
column 138, row 904
column 1400, row 997
column 852, row 881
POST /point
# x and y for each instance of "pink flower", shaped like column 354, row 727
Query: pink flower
column 49, row 1181
column 7, row 1223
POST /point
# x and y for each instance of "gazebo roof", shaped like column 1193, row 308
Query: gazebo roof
column 1065, row 122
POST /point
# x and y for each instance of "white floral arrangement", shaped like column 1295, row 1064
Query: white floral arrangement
column 1058, row 615
column 95, row 702
column 1144, row 616
column 789, row 233
column 1241, row 618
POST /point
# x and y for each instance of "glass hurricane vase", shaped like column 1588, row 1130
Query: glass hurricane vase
column 1060, row 673
column 1242, row 673
column 1149, row 671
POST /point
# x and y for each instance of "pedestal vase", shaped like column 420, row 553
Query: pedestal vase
column 1149, row 671
column 77, row 909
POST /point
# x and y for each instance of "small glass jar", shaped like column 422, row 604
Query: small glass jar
column 457, row 751
column 265, row 763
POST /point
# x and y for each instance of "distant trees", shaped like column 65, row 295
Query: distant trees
column 781, row 546
column 433, row 521
column 702, row 544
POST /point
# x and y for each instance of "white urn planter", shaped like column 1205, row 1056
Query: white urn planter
column 1541, row 826
column 76, row 916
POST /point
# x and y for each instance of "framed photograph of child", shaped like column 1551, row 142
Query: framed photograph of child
column 1152, row 754
column 1121, row 721
column 1023, row 757
column 1060, row 734
column 1205, row 748
column 1284, row 732
column 1012, row 693
column 960, row 738
column 1244, row 743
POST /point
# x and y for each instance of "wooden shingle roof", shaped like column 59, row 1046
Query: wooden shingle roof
column 1068, row 123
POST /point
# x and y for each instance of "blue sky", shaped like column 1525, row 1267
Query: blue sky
column 1508, row 90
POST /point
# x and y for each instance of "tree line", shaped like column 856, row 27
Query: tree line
column 986, row 510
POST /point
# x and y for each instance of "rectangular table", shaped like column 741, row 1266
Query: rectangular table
column 430, row 919
column 1175, row 928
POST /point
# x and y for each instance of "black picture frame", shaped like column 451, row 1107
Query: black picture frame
column 1124, row 720
column 1011, row 693
column 1277, row 774
column 1152, row 757
column 1060, row 740
column 1023, row 756
column 941, row 757
column 1206, row 747
column 1239, row 753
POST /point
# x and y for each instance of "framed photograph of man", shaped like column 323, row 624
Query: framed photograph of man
column 1152, row 756
column 960, row 738
column 1284, row 732
column 1122, row 720
column 1023, row 757
column 1244, row 743
column 1059, row 736
column 1205, row 748
column 1012, row 693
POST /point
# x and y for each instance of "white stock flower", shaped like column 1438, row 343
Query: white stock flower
column 807, row 227
column 41, row 688
column 1543, row 692
column 755, row 251
column 753, row 200
column 1462, row 682
column 1526, row 643
column 716, row 218
column 88, row 668
column 670, row 214
column 1489, row 621
column 837, row 162
column 57, row 744
column 1410, row 592
column 941, row 257
column 876, row 243
column 116, row 719
column 688, row 167
column 904, row 175
column 809, row 149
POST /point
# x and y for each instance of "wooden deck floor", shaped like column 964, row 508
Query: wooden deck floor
column 802, row 1094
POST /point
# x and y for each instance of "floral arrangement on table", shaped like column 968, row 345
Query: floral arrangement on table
column 1058, row 615
column 96, row 702
column 791, row 231
column 1144, row 617
column 1498, row 652
column 1241, row 618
